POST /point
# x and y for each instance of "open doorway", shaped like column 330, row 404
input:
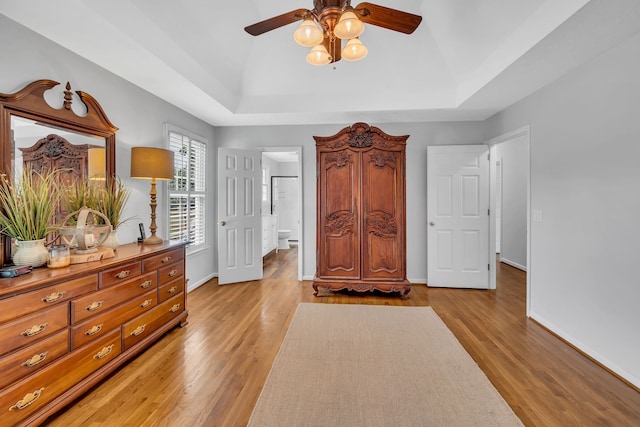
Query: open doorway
column 510, row 202
column 282, row 210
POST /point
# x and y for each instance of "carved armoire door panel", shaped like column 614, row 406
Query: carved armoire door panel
column 339, row 242
column 382, row 207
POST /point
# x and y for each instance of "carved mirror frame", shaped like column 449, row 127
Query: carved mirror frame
column 29, row 103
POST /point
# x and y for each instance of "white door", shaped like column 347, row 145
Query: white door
column 458, row 216
column 239, row 216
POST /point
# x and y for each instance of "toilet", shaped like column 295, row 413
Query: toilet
column 283, row 239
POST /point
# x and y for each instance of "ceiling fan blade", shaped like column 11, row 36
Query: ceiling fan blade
column 276, row 22
column 390, row 19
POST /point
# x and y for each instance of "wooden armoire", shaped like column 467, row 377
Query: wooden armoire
column 360, row 232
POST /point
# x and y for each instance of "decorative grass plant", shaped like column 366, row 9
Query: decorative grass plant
column 29, row 205
column 78, row 194
column 110, row 201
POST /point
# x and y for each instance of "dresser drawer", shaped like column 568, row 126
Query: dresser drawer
column 33, row 301
column 142, row 326
column 33, row 327
column 170, row 272
column 170, row 289
column 106, row 299
column 157, row 261
column 120, row 274
column 31, row 359
column 102, row 324
column 26, row 397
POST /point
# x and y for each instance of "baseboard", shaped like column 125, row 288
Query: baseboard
column 417, row 281
column 588, row 352
column 513, row 264
column 195, row 285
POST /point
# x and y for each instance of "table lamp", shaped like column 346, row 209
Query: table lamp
column 152, row 163
column 97, row 163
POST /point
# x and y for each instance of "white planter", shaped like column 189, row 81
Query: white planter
column 111, row 241
column 31, row 252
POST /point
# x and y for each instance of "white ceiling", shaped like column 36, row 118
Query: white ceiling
column 467, row 60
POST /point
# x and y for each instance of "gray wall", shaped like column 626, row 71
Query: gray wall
column 585, row 147
column 139, row 116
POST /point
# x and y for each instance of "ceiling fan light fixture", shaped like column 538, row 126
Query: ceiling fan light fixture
column 319, row 56
column 308, row 34
column 349, row 26
column 354, row 50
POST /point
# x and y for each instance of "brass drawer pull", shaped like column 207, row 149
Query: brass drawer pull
column 104, row 352
column 139, row 330
column 172, row 289
column 146, row 303
column 94, row 330
column 145, row 284
column 27, row 400
column 55, row 296
column 165, row 259
column 94, row 306
column 175, row 308
column 34, row 330
column 37, row 358
column 123, row 274
column 173, row 273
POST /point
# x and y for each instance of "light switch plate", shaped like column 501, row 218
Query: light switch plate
column 537, row 215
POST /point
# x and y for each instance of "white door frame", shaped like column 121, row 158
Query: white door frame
column 298, row 150
column 524, row 131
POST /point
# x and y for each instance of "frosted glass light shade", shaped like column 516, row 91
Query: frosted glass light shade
column 308, row 34
column 354, row 50
column 349, row 26
column 319, row 56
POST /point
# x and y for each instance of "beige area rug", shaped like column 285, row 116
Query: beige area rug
column 365, row 365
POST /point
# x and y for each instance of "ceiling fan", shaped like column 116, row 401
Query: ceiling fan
column 338, row 21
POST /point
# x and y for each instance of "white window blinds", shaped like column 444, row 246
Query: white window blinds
column 187, row 190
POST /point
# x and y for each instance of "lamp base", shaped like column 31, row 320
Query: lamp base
column 152, row 240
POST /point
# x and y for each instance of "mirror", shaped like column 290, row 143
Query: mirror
column 40, row 147
column 34, row 133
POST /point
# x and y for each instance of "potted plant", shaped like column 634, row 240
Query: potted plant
column 110, row 201
column 28, row 210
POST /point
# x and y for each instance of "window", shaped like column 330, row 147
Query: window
column 187, row 190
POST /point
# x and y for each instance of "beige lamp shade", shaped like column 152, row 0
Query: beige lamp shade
column 96, row 163
column 354, row 50
column 308, row 34
column 319, row 56
column 150, row 162
column 349, row 26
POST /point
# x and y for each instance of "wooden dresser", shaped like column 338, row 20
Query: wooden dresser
column 360, row 232
column 63, row 330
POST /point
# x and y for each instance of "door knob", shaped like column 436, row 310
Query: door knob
column 222, row 223
column 431, row 223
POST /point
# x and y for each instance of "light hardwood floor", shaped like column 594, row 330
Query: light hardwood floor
column 210, row 372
